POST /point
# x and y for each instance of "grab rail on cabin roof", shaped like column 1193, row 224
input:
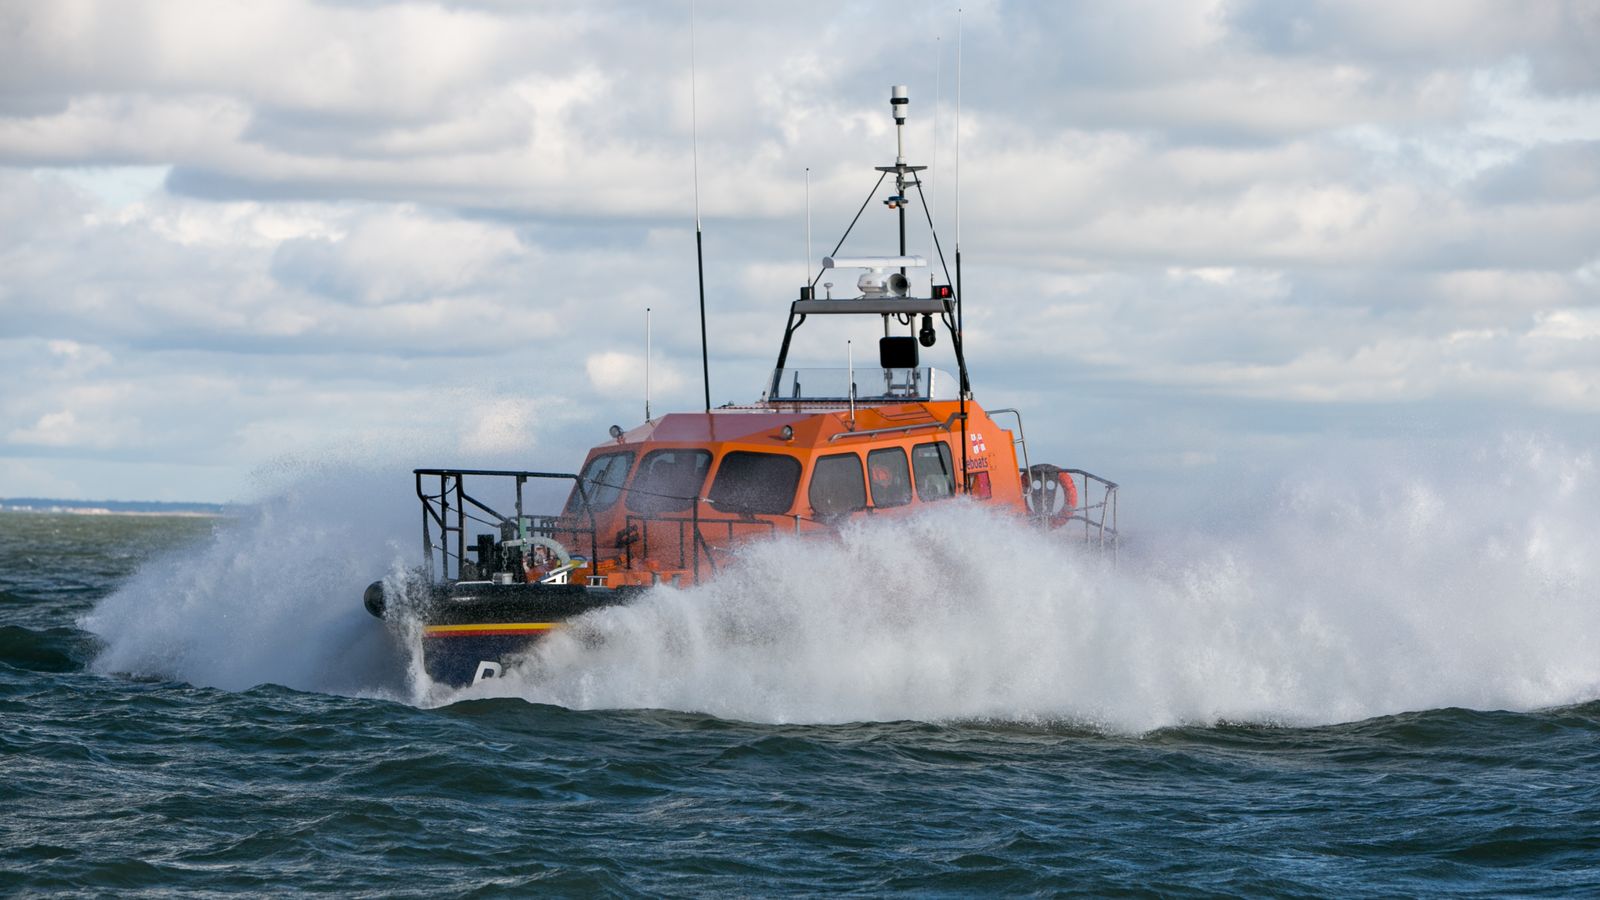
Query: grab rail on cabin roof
column 946, row 425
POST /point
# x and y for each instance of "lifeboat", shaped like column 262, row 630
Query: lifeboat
column 666, row 502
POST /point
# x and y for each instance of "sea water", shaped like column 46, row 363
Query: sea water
column 1380, row 681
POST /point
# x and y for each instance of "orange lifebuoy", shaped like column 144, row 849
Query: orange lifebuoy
column 1069, row 494
column 1051, row 493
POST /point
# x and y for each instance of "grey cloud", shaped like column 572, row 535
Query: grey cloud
column 1554, row 173
column 1557, row 37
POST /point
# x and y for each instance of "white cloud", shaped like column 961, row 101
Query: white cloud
column 236, row 230
column 397, row 255
column 622, row 375
column 55, row 429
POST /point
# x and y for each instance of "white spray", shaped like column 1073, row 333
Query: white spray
column 276, row 596
column 1341, row 595
column 1337, row 603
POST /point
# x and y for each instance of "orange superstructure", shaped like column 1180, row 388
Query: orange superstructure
column 760, row 472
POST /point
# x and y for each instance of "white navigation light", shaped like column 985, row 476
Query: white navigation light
column 880, row 279
column 898, row 102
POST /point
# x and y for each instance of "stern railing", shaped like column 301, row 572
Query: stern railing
column 1099, row 518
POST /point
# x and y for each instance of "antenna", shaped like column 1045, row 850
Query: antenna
column 647, row 363
column 960, row 300
column 966, row 390
column 808, row 223
column 850, row 364
column 699, row 251
column 938, row 95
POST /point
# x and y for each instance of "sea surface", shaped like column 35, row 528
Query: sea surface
column 193, row 705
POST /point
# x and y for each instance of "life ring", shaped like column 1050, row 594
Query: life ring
column 555, row 556
column 1051, row 493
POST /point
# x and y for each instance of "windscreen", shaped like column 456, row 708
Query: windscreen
column 602, row 481
column 668, row 481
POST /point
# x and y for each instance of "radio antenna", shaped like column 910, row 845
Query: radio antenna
column 933, row 170
column 647, row 363
column 808, row 223
column 850, row 368
column 966, row 390
column 960, row 298
column 699, row 244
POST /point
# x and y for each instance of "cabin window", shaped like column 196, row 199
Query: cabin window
column 668, row 481
column 755, row 483
column 602, row 481
column 978, row 485
column 890, row 477
column 837, row 486
column 936, row 477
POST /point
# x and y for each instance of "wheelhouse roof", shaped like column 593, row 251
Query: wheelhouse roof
column 811, row 429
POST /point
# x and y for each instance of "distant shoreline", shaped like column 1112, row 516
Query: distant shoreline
column 114, row 507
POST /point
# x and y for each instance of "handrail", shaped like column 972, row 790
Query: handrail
column 1022, row 439
column 897, row 428
column 1105, row 481
column 508, row 472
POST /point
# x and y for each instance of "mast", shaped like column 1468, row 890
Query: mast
column 898, row 101
column 647, row 363
column 887, row 295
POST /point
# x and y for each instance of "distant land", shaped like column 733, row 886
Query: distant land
column 113, row 507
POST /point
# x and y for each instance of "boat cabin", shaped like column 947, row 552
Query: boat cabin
column 801, row 464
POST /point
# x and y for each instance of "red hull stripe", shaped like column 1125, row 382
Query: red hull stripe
column 442, row 631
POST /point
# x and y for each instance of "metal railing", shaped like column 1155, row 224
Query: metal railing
column 1095, row 516
column 453, row 507
column 690, row 534
column 1021, row 440
column 450, row 509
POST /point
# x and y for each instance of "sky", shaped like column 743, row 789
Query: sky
column 1199, row 237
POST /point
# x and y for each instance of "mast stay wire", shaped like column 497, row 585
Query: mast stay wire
column 870, row 194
